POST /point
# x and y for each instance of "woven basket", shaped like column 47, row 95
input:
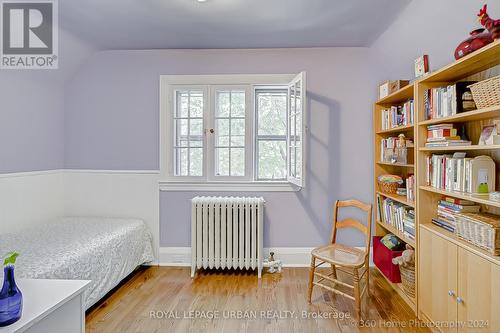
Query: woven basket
column 486, row 93
column 408, row 279
column 388, row 187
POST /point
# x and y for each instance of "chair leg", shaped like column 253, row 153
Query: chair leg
column 311, row 279
column 357, row 298
column 334, row 270
column 368, row 280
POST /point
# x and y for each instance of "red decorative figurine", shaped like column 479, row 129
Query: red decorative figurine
column 479, row 37
column 493, row 26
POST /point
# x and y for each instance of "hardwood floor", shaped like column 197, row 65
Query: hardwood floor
column 164, row 299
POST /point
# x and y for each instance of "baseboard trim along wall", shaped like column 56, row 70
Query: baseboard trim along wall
column 290, row 256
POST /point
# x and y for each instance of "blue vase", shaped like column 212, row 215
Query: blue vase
column 11, row 298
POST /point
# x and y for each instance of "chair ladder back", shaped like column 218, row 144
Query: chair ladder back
column 352, row 223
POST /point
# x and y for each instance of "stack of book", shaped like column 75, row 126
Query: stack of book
column 399, row 216
column 446, row 101
column 398, row 116
column 444, row 135
column 447, row 211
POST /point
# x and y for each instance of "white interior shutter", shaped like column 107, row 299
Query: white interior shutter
column 296, row 108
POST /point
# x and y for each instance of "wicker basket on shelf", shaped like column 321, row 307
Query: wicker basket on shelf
column 486, row 93
column 389, row 188
column 408, row 279
column 389, row 183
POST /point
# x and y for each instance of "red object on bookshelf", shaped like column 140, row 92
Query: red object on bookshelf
column 478, row 38
column 382, row 258
column 493, row 26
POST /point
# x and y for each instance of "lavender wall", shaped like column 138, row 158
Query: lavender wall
column 427, row 27
column 112, row 113
column 32, row 111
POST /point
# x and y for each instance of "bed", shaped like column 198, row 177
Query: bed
column 103, row 250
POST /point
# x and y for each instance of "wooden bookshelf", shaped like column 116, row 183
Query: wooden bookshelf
column 431, row 239
column 397, row 97
column 396, row 232
column 477, row 66
column 400, row 129
column 399, row 198
column 404, row 170
column 460, row 148
column 397, row 287
column 480, row 114
column 482, row 199
column 396, row 164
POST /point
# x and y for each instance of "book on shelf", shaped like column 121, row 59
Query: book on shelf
column 397, row 116
column 444, row 135
column 460, row 173
column 398, row 215
column 448, row 212
column 447, row 101
column 410, row 188
column 443, row 224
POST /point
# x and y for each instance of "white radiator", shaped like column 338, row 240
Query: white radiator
column 227, row 232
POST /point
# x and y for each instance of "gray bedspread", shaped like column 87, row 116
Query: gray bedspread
column 103, row 250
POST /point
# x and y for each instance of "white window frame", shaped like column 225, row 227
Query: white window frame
column 210, row 182
column 256, row 130
column 170, row 127
column 212, row 177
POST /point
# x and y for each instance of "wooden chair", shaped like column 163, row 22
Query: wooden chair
column 344, row 258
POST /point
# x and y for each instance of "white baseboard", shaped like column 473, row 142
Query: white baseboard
column 290, row 256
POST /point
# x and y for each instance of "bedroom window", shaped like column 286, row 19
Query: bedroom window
column 232, row 131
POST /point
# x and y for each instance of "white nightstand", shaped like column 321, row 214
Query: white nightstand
column 51, row 306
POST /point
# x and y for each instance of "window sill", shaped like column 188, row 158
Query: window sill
column 228, row 187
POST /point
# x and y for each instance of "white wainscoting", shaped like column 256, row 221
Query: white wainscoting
column 128, row 194
column 290, row 256
column 30, row 198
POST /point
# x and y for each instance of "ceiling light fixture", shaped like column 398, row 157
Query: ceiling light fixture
column 202, row 0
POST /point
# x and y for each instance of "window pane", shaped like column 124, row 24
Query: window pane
column 298, row 127
column 298, row 161
column 223, row 103
column 222, row 132
column 196, row 162
column 237, row 141
column 182, row 98
column 196, row 128
column 271, row 133
column 181, row 158
column 298, row 99
column 237, row 104
column 238, row 127
column 271, row 107
column 188, row 133
column 181, row 131
column 292, row 162
column 196, row 104
column 237, row 167
column 272, row 159
column 222, row 161
column 230, row 133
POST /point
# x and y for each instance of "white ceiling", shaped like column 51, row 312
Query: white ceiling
column 149, row 24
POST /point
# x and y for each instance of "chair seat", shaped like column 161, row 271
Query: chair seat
column 341, row 255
